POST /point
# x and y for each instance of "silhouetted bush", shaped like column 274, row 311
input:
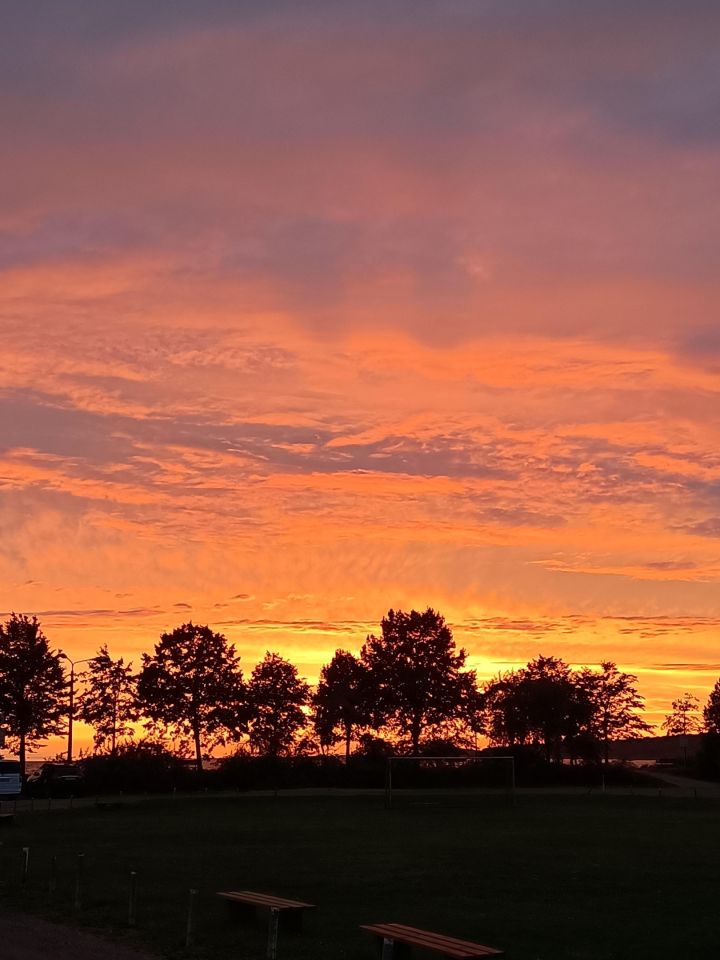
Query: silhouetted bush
column 141, row 768
column 244, row 771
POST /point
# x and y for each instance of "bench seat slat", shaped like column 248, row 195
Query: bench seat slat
column 401, row 929
column 449, row 946
column 264, row 900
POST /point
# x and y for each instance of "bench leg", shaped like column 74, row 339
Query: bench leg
column 388, row 949
column 391, row 950
column 273, row 934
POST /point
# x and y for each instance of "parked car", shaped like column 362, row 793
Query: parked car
column 56, row 780
column 10, row 779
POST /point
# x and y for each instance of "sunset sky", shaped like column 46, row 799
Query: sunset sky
column 313, row 309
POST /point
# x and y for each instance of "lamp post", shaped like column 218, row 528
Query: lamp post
column 73, row 664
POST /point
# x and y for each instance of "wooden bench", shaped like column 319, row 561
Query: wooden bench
column 391, row 934
column 253, row 900
column 250, row 901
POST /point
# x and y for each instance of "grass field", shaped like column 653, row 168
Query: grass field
column 551, row 878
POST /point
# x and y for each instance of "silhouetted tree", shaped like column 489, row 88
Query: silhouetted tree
column 684, row 718
column 711, row 711
column 614, row 703
column 415, row 673
column 108, row 700
column 340, row 702
column 502, row 714
column 540, row 705
column 193, row 684
column 558, row 710
column 32, row 684
column 276, row 697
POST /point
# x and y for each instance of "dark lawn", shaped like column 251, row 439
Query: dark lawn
column 552, row 878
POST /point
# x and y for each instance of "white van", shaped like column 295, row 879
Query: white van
column 10, row 779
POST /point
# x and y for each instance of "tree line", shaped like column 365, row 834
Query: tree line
column 408, row 687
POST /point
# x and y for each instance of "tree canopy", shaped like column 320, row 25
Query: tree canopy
column 415, row 674
column 540, row 705
column 341, row 701
column 193, row 684
column 32, row 684
column 546, row 704
column 614, row 705
column 108, row 701
column 684, row 717
column 276, row 697
column 711, row 712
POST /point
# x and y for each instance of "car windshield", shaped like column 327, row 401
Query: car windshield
column 9, row 766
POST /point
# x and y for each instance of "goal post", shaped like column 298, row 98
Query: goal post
column 395, row 764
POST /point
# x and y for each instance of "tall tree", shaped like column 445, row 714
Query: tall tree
column 32, row 684
column 108, row 701
column 615, row 704
column 416, row 674
column 276, row 697
column 711, row 711
column 501, row 713
column 340, row 702
column 193, row 684
column 684, row 717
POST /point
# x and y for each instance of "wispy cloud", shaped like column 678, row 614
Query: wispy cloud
column 353, row 306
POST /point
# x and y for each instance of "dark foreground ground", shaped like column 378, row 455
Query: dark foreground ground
column 550, row 878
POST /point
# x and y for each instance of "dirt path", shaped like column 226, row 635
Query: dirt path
column 25, row 937
column 700, row 788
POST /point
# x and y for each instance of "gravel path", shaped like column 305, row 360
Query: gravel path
column 25, row 937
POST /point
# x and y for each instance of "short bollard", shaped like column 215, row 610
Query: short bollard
column 79, row 881
column 190, row 927
column 273, row 933
column 132, row 895
column 388, row 948
column 25, row 864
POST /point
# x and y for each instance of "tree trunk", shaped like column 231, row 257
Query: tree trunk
column 22, row 756
column 348, row 738
column 415, row 733
column 198, row 751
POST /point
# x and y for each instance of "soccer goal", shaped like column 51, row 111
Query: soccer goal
column 442, row 776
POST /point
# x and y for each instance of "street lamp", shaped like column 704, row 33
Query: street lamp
column 73, row 664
